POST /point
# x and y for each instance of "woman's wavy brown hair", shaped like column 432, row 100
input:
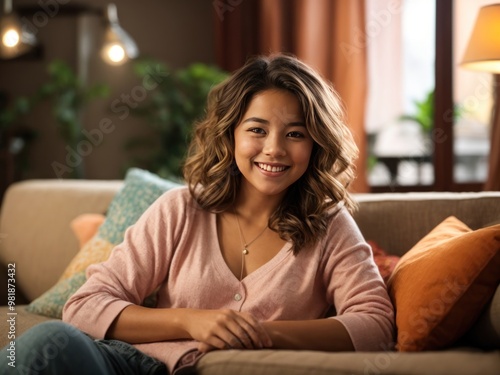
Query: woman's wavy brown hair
column 210, row 169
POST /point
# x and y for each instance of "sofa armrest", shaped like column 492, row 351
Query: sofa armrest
column 485, row 333
column 34, row 224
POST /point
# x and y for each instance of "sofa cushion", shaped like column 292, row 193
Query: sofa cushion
column 441, row 285
column 140, row 190
column 277, row 362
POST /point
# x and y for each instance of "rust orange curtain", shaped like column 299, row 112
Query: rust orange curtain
column 326, row 34
column 493, row 181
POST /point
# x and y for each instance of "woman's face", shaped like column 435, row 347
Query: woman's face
column 272, row 144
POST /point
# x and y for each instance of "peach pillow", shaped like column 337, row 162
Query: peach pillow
column 85, row 226
column 441, row 285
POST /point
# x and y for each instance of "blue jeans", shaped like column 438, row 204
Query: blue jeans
column 57, row 348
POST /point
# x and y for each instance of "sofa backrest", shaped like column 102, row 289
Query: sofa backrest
column 34, row 226
column 397, row 221
column 35, row 217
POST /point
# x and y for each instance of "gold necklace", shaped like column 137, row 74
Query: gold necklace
column 246, row 244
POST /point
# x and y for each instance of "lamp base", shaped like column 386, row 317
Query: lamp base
column 493, row 181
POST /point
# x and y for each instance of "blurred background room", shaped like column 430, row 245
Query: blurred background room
column 89, row 89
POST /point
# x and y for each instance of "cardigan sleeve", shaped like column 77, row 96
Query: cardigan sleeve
column 134, row 269
column 355, row 287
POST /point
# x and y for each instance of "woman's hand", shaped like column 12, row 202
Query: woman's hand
column 226, row 329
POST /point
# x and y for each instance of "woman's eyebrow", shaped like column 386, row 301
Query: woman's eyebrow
column 256, row 119
column 263, row 121
column 296, row 123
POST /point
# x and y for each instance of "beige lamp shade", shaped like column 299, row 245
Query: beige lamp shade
column 483, row 50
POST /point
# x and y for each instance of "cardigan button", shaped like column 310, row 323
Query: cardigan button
column 237, row 297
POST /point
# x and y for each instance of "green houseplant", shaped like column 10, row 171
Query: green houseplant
column 424, row 113
column 170, row 109
column 68, row 97
column 15, row 138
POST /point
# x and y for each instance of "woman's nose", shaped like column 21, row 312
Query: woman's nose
column 274, row 146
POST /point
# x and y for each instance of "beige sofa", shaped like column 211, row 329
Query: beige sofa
column 35, row 235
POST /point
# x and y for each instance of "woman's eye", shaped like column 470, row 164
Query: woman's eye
column 296, row 135
column 257, row 130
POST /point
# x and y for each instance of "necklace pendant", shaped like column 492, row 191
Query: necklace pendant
column 245, row 251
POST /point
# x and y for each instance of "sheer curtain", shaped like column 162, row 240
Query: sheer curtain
column 327, row 34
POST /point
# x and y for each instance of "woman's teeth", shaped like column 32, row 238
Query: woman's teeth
column 270, row 168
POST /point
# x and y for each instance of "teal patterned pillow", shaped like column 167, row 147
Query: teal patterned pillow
column 51, row 303
column 141, row 188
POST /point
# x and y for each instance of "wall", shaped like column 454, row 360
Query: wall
column 176, row 32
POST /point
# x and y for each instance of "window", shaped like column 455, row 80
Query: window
column 401, row 84
column 427, row 118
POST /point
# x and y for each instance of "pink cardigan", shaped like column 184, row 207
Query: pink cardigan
column 174, row 246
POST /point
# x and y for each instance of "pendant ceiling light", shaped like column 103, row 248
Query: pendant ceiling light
column 15, row 39
column 118, row 45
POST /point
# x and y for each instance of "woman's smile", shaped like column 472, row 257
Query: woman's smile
column 272, row 168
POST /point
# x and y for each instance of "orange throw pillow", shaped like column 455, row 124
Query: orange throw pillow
column 85, row 226
column 440, row 286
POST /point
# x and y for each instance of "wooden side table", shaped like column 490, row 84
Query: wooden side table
column 392, row 164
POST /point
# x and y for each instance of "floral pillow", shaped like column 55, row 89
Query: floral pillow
column 385, row 262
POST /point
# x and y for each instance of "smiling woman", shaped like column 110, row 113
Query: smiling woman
column 261, row 98
column 271, row 161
